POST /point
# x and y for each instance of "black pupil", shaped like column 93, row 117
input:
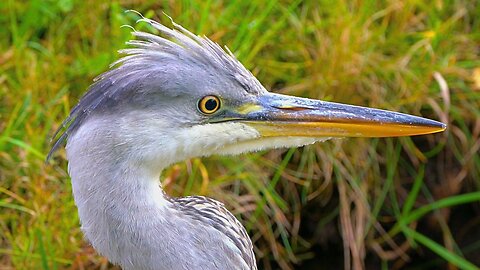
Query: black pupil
column 211, row 104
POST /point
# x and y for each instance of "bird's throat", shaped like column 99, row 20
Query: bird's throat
column 119, row 202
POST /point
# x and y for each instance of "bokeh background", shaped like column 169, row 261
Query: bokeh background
column 400, row 203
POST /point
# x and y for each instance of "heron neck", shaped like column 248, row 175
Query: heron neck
column 118, row 198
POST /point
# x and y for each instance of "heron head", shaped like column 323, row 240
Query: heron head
column 180, row 93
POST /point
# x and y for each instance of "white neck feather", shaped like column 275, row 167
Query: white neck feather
column 119, row 201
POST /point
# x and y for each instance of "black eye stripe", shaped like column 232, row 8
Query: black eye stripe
column 209, row 104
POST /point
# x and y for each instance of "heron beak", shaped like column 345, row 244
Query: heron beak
column 280, row 115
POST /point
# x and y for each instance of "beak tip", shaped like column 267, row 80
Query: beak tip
column 443, row 127
column 440, row 127
column 434, row 127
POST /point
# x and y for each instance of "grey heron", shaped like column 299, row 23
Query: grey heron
column 174, row 96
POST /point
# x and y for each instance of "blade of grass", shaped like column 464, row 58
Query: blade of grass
column 442, row 203
column 412, row 195
column 41, row 247
column 440, row 250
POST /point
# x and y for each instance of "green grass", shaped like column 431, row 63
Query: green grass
column 383, row 203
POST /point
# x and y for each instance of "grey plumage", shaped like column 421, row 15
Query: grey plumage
column 153, row 62
column 215, row 213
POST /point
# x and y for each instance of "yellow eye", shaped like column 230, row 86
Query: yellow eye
column 209, row 104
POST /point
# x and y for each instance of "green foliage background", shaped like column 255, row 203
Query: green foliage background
column 372, row 203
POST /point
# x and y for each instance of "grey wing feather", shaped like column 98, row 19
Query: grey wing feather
column 205, row 208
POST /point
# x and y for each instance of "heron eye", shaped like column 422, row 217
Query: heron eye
column 209, row 104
